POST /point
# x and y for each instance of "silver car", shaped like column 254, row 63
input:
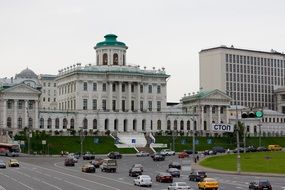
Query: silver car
column 179, row 185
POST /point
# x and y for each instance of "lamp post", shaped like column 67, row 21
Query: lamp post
column 238, row 152
column 81, row 140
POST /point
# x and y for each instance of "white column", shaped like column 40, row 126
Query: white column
column 211, row 116
column 129, row 96
column 15, row 114
column 110, row 95
column 202, row 118
column 36, row 114
column 119, row 103
column 4, row 113
column 219, row 114
column 138, row 97
column 145, row 92
column 26, row 113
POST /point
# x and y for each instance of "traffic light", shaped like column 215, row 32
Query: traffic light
column 252, row 114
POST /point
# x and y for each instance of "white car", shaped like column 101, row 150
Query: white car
column 142, row 154
column 179, row 185
column 143, row 180
column 167, row 152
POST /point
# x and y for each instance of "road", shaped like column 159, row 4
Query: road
column 49, row 173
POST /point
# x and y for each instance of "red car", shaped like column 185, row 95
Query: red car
column 164, row 177
column 183, row 155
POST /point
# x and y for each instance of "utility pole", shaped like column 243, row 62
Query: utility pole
column 238, row 152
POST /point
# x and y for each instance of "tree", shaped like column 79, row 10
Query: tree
column 232, row 137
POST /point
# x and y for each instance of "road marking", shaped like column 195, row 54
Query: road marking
column 2, row 188
column 17, row 181
column 110, row 187
column 93, row 175
column 51, row 185
column 76, row 185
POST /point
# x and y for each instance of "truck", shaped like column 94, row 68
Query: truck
column 109, row 165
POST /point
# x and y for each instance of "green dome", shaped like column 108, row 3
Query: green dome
column 110, row 40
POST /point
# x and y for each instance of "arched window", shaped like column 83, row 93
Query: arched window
column 134, row 125
column 105, row 59
column 115, row 59
column 72, row 123
column 158, row 125
column 30, row 123
column 94, row 123
column 85, row 123
column 175, row 124
column 188, row 125
column 20, row 123
column 57, row 123
column 116, row 124
column 125, row 125
column 9, row 122
column 64, row 123
column 106, row 124
column 151, row 126
column 181, row 125
column 49, row 123
column 42, row 123
column 168, row 125
column 143, row 125
column 205, row 125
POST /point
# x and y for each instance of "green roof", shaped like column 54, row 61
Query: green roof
column 110, row 40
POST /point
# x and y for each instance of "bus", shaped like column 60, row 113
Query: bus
column 7, row 149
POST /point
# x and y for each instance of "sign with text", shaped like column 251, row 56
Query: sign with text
column 222, row 127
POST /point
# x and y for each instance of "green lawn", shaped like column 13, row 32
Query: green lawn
column 262, row 162
column 72, row 144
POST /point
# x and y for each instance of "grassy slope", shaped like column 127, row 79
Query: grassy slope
column 263, row 162
column 224, row 142
column 72, row 144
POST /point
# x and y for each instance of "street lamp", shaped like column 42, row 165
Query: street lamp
column 82, row 136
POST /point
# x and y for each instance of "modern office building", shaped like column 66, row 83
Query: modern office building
column 249, row 77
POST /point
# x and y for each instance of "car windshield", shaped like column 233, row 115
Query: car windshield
column 136, row 169
column 173, row 169
column 210, row 180
column 201, row 173
column 264, row 183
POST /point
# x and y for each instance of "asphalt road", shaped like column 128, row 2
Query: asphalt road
column 48, row 173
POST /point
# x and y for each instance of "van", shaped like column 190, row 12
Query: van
column 274, row 147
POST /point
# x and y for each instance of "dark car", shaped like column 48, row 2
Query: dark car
column 88, row 168
column 69, row 162
column 97, row 162
column 164, row 177
column 135, row 172
column 197, row 175
column 251, row 149
column 175, row 165
column 260, row 184
column 114, row 155
column 2, row 164
column 174, row 172
column 261, row 149
column 190, row 151
column 158, row 157
column 88, row 156
column 209, row 152
column 241, row 150
column 219, row 149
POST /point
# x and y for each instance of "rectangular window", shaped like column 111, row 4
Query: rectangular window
column 114, row 87
column 141, row 88
column 113, row 105
column 94, row 104
column 132, row 88
column 104, row 104
column 123, row 87
column 141, row 105
column 227, row 57
column 158, row 89
column 31, row 104
column 149, row 88
column 94, row 86
column 133, row 105
column 85, row 86
column 150, row 105
column 104, row 87
column 84, row 104
column 158, row 105
column 123, row 105
column 20, row 104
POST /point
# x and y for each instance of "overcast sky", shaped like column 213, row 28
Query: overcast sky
column 49, row 35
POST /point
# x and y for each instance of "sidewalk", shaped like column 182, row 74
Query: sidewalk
column 197, row 166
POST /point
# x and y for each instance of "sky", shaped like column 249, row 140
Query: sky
column 49, row 35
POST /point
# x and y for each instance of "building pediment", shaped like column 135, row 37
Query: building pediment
column 217, row 95
column 21, row 89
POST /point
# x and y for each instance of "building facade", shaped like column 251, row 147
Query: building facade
column 249, row 77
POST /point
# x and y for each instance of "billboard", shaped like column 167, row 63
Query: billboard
column 222, row 127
